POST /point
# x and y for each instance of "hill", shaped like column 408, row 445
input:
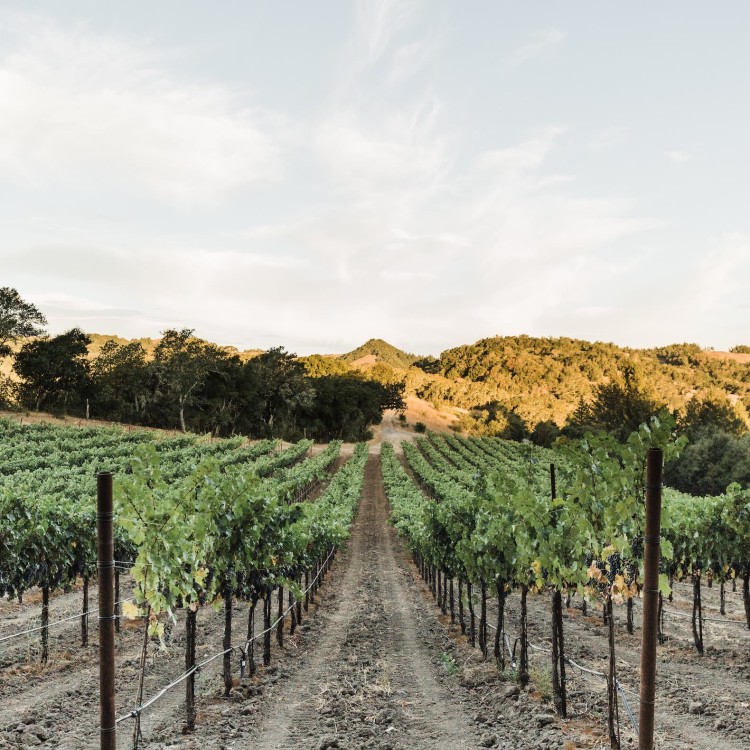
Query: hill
column 544, row 379
column 377, row 350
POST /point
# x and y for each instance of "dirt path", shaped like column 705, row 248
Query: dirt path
column 392, row 431
column 370, row 680
column 374, row 667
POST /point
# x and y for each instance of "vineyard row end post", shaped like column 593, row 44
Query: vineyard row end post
column 651, row 547
column 106, row 571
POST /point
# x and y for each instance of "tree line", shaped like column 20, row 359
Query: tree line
column 186, row 383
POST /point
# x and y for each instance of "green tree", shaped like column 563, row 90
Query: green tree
column 619, row 407
column 718, row 454
column 711, row 463
column 428, row 364
column 384, row 373
column 345, row 406
column 226, row 402
column 318, row 365
column 18, row 319
column 6, row 390
column 120, row 377
column 495, row 419
column 713, row 412
column 53, row 370
column 181, row 365
column 284, row 390
column 544, row 433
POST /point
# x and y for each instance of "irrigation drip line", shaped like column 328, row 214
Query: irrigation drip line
column 620, row 688
column 534, row 647
column 582, row 669
column 685, row 615
column 627, row 706
column 76, row 616
column 270, row 629
column 722, row 620
column 134, row 713
column 137, row 711
column 594, row 673
column 510, row 650
column 601, row 675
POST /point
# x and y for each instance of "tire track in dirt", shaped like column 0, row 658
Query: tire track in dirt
column 369, row 680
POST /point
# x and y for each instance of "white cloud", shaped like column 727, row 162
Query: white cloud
column 484, row 245
column 381, row 21
column 540, row 44
column 70, row 302
column 678, row 157
column 406, row 276
column 608, row 138
column 722, row 275
column 411, row 58
column 521, row 157
column 88, row 111
column 403, row 149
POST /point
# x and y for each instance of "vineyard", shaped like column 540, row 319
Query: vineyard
column 486, row 518
column 198, row 523
column 533, row 558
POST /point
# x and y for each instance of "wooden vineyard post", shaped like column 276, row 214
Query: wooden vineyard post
column 651, row 539
column 559, row 689
column 85, row 614
column 106, row 566
column 190, row 633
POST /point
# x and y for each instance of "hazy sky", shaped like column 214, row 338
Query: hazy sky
column 311, row 174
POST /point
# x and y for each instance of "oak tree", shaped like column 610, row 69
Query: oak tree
column 18, row 319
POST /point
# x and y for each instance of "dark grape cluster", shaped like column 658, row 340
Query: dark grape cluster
column 631, row 572
column 614, row 565
column 601, row 566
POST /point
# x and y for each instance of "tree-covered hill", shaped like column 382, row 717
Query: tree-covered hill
column 546, row 378
column 383, row 352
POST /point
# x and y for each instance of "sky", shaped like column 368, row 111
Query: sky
column 310, row 175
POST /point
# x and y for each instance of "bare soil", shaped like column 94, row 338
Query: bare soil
column 735, row 356
column 702, row 700
column 377, row 669
column 392, row 430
